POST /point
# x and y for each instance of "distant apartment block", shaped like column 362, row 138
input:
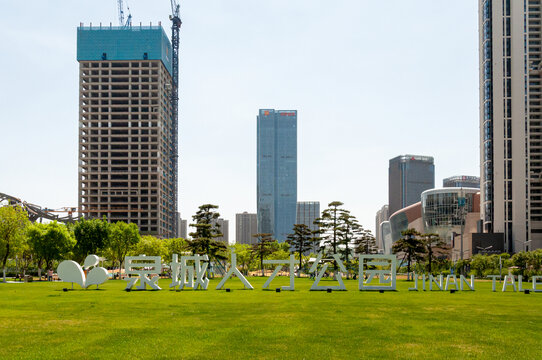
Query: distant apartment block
column 184, row 229
column 224, row 228
column 381, row 216
column 246, row 225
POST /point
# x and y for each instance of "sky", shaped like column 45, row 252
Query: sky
column 370, row 80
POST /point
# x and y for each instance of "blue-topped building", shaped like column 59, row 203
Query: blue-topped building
column 123, row 43
column 277, row 172
column 126, row 129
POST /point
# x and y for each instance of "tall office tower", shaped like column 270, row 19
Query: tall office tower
column 409, row 176
column 381, row 216
column 224, row 226
column 277, row 172
column 246, row 225
column 125, row 127
column 511, row 121
column 462, row 181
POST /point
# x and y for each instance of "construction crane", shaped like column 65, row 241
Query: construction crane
column 175, row 30
column 121, row 14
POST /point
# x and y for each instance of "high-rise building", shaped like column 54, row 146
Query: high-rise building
column 381, row 216
column 307, row 212
column 246, row 225
column 184, row 229
column 125, row 127
column 409, row 176
column 462, row 181
column 277, row 172
column 510, row 52
column 224, row 227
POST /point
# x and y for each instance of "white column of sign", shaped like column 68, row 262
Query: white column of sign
column 494, row 278
column 463, row 280
column 415, row 277
column 233, row 269
column 433, row 280
column 508, row 283
column 448, row 282
column 535, row 278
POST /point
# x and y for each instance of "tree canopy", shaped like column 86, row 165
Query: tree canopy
column 51, row 242
column 13, row 222
column 92, row 236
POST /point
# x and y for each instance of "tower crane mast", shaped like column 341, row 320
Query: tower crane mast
column 175, row 30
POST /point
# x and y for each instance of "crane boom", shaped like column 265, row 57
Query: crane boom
column 175, row 30
column 122, row 23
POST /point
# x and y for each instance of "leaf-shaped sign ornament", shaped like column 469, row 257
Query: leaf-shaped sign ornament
column 70, row 271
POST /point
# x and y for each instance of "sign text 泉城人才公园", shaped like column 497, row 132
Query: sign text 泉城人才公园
column 376, row 273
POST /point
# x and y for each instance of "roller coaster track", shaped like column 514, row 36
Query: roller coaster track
column 36, row 212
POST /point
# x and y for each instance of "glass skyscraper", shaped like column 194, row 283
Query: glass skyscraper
column 409, row 176
column 277, row 172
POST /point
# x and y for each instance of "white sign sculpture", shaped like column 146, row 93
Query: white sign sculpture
column 70, row 271
column 183, row 274
column 384, row 267
column 233, row 270
column 319, row 275
column 451, row 280
column 143, row 265
column 280, row 263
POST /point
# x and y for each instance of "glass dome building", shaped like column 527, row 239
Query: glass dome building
column 445, row 210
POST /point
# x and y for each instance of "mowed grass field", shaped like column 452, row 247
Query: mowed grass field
column 40, row 321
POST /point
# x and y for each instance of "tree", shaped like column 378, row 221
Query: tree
column 24, row 257
column 244, row 256
column 480, row 263
column 330, row 223
column 50, row 242
column 207, row 229
column 435, row 247
column 411, row 245
column 91, row 235
column 300, row 241
column 262, row 248
column 122, row 238
column 13, row 222
column 520, row 260
column 175, row 246
column 150, row 246
column 365, row 243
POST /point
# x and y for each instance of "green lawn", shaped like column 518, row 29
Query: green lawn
column 40, row 321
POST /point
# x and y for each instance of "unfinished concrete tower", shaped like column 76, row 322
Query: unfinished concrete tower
column 126, row 152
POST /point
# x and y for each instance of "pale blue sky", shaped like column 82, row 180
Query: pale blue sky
column 370, row 79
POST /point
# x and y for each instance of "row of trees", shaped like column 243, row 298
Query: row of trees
column 429, row 253
column 41, row 245
column 421, row 249
column 337, row 232
column 525, row 263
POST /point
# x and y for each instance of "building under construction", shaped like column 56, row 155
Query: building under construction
column 128, row 127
